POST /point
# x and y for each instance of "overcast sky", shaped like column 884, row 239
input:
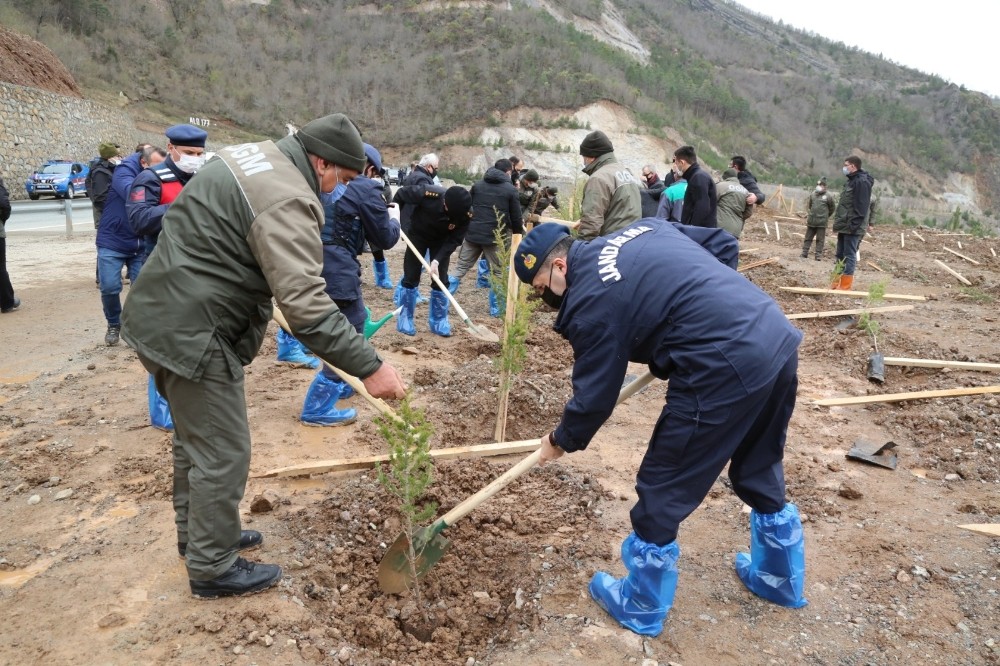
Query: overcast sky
column 952, row 40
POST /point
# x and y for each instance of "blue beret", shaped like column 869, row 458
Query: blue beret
column 373, row 157
column 535, row 247
column 187, row 135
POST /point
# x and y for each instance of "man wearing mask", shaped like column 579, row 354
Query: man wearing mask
column 118, row 245
column 820, row 207
column 666, row 295
column 850, row 221
column 200, row 311
column 700, row 203
column 155, row 188
column 651, row 193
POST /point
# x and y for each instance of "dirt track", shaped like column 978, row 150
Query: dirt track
column 95, row 577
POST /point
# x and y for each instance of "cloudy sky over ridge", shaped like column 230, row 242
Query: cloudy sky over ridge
column 952, row 40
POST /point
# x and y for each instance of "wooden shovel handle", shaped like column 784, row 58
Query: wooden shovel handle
column 520, row 468
column 434, row 276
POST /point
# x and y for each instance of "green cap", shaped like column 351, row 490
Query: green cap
column 335, row 139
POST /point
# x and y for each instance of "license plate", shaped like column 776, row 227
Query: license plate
column 43, row 187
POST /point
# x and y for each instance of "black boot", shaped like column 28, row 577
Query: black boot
column 244, row 577
column 249, row 539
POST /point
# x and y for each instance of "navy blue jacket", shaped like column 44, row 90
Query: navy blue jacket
column 699, row 199
column 430, row 221
column 359, row 214
column 145, row 212
column 114, row 231
column 668, row 296
column 491, row 195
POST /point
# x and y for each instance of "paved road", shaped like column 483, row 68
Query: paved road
column 49, row 216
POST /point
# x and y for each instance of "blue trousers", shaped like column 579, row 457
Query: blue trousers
column 847, row 249
column 109, row 273
column 686, row 455
column 355, row 313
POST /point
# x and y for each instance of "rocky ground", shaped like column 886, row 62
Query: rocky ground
column 88, row 565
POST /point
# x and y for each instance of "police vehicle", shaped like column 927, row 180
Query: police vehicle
column 58, row 178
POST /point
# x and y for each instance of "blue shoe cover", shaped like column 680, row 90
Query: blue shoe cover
column 453, row 284
column 404, row 321
column 291, row 351
column 482, row 278
column 438, row 316
column 494, row 306
column 398, row 294
column 320, row 406
column 382, row 274
column 159, row 410
column 345, row 390
column 775, row 569
column 421, row 299
column 640, row 601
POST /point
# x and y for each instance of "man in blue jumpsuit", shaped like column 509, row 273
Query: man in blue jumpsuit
column 359, row 214
column 156, row 187
column 438, row 223
column 666, row 295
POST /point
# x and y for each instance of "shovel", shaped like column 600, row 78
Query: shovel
column 477, row 331
column 394, row 572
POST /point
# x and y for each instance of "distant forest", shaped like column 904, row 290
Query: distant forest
column 717, row 72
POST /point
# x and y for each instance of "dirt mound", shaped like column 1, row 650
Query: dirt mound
column 26, row 62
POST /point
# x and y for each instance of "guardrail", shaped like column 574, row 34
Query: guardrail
column 64, row 205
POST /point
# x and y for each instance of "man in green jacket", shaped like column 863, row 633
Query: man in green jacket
column 820, row 206
column 246, row 230
column 611, row 198
column 732, row 209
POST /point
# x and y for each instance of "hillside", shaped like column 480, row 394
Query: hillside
column 416, row 75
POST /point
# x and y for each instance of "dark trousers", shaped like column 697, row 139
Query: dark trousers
column 847, row 249
column 354, row 310
column 412, row 265
column 686, row 455
column 6, row 289
column 211, row 461
column 820, row 234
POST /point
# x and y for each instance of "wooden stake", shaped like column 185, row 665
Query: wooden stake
column 762, row 262
column 753, row 249
column 899, row 397
column 971, row 261
column 902, row 239
column 918, row 236
column 795, row 233
column 794, row 219
column 959, row 244
column 930, row 363
column 958, row 275
column 500, row 430
column 843, row 313
column 766, row 230
column 994, row 252
column 989, row 529
column 840, row 292
column 875, row 267
column 777, row 231
column 347, row 464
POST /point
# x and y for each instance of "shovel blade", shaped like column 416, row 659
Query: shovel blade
column 484, row 334
column 395, row 575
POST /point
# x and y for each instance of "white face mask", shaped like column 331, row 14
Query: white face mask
column 190, row 163
column 847, row 172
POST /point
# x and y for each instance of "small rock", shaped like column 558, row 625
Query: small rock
column 650, row 662
column 91, row 366
column 507, row 520
column 471, row 661
column 481, row 595
column 34, row 499
column 268, row 641
column 64, row 494
column 213, row 625
column 903, row 577
column 952, row 477
column 238, row 649
column 345, row 516
column 847, row 490
column 111, row 620
column 53, row 481
column 647, row 649
column 264, row 502
column 920, row 571
column 412, row 351
column 344, row 655
column 833, row 467
column 961, row 626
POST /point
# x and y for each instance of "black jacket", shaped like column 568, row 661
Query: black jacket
column 650, row 197
column 493, row 195
column 99, row 182
column 748, row 181
column 699, row 199
column 419, row 177
column 430, row 222
column 4, row 203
